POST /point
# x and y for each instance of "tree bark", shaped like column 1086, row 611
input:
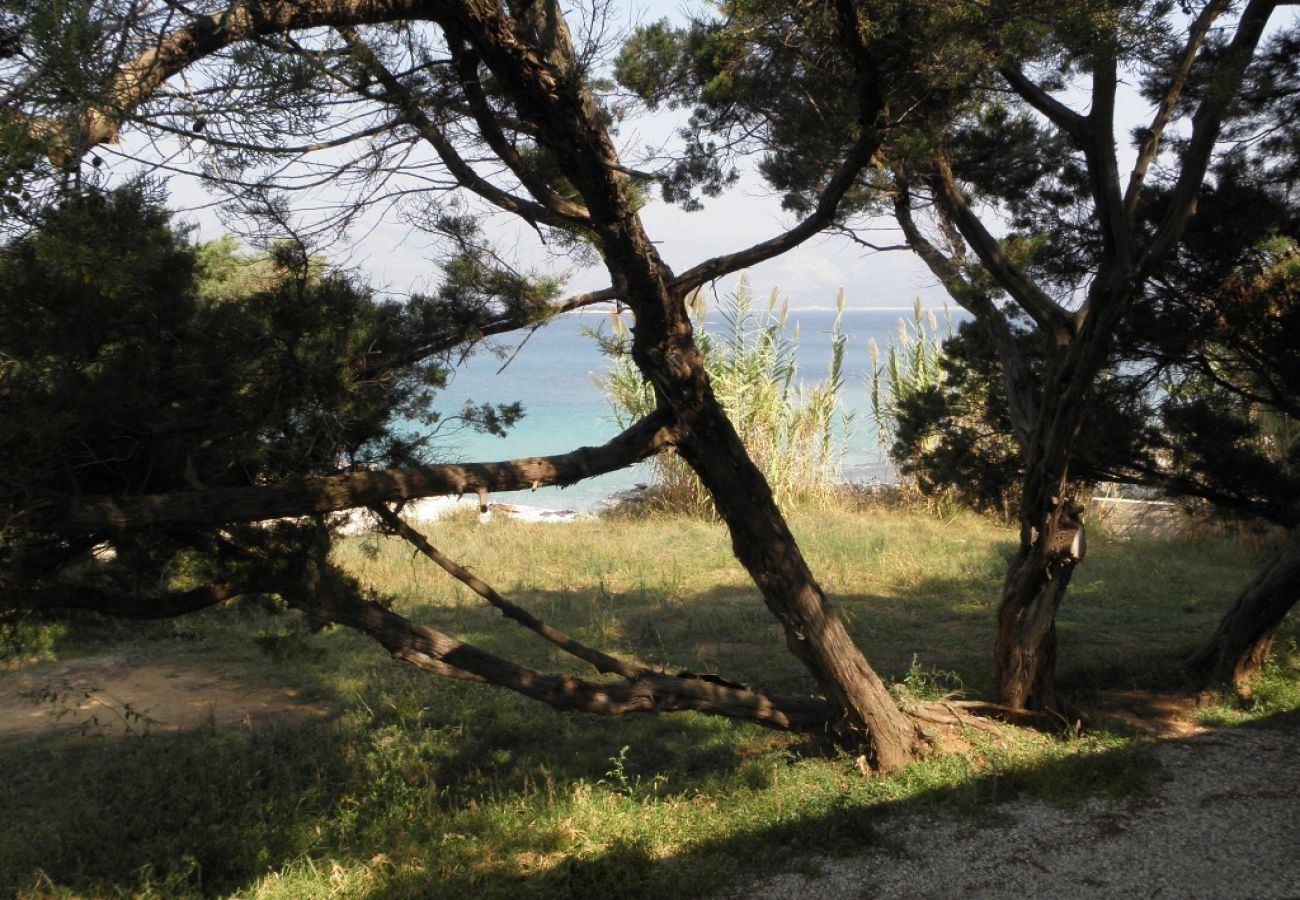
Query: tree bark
column 814, row 632
column 1052, row 539
column 541, row 79
column 311, row 496
column 1236, row 651
column 1024, row 660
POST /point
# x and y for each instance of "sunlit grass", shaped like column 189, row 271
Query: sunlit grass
column 417, row 786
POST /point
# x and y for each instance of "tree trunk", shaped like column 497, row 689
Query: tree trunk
column 570, row 124
column 1024, row 662
column 814, row 632
column 665, row 350
column 1236, row 651
column 1051, row 545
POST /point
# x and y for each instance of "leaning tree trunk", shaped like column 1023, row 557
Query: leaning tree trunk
column 549, row 91
column 814, row 632
column 665, row 350
column 1236, row 651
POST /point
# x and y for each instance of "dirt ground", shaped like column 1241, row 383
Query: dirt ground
column 1222, row 822
column 112, row 695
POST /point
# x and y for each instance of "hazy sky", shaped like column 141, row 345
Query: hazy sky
column 394, row 257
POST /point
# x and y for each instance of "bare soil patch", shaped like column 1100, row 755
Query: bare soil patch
column 113, row 695
column 1165, row 716
column 1221, row 822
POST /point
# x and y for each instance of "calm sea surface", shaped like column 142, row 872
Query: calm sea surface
column 554, row 375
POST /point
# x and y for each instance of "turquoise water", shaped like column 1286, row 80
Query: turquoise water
column 554, row 375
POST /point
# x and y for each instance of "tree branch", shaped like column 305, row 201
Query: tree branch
column 131, row 604
column 225, row 505
column 649, row 692
column 204, row 36
column 1018, row 378
column 413, row 113
column 712, row 269
column 1060, row 115
column 1103, row 170
column 1046, row 312
column 466, row 61
column 1206, row 125
column 871, row 111
column 1164, row 112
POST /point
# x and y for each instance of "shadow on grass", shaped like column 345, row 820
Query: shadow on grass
column 833, row 826
column 938, row 628
column 211, row 811
column 424, row 787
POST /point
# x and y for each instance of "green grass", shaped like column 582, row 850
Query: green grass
column 424, row 787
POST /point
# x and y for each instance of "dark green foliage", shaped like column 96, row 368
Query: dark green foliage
column 724, row 69
column 957, row 436
column 1200, row 399
column 1233, row 422
column 133, row 364
column 120, row 379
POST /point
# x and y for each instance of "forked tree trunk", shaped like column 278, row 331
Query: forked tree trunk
column 1037, row 577
column 1236, row 651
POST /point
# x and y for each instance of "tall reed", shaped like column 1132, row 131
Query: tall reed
column 912, row 365
column 795, row 432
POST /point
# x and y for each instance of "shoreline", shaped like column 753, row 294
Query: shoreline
column 433, row 509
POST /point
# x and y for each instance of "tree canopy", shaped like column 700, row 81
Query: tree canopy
column 1010, row 189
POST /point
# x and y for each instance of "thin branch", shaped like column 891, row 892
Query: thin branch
column 1164, row 112
column 855, row 237
column 827, row 206
column 57, row 595
column 871, row 128
column 204, row 36
column 602, row 662
column 297, row 149
column 412, row 113
column 503, row 325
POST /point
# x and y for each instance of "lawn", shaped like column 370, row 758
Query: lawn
column 415, row 786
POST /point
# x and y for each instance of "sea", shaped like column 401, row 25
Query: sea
column 555, row 373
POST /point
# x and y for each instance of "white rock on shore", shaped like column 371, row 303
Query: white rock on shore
column 431, row 509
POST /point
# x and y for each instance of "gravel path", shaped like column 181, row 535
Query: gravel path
column 1222, row 821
